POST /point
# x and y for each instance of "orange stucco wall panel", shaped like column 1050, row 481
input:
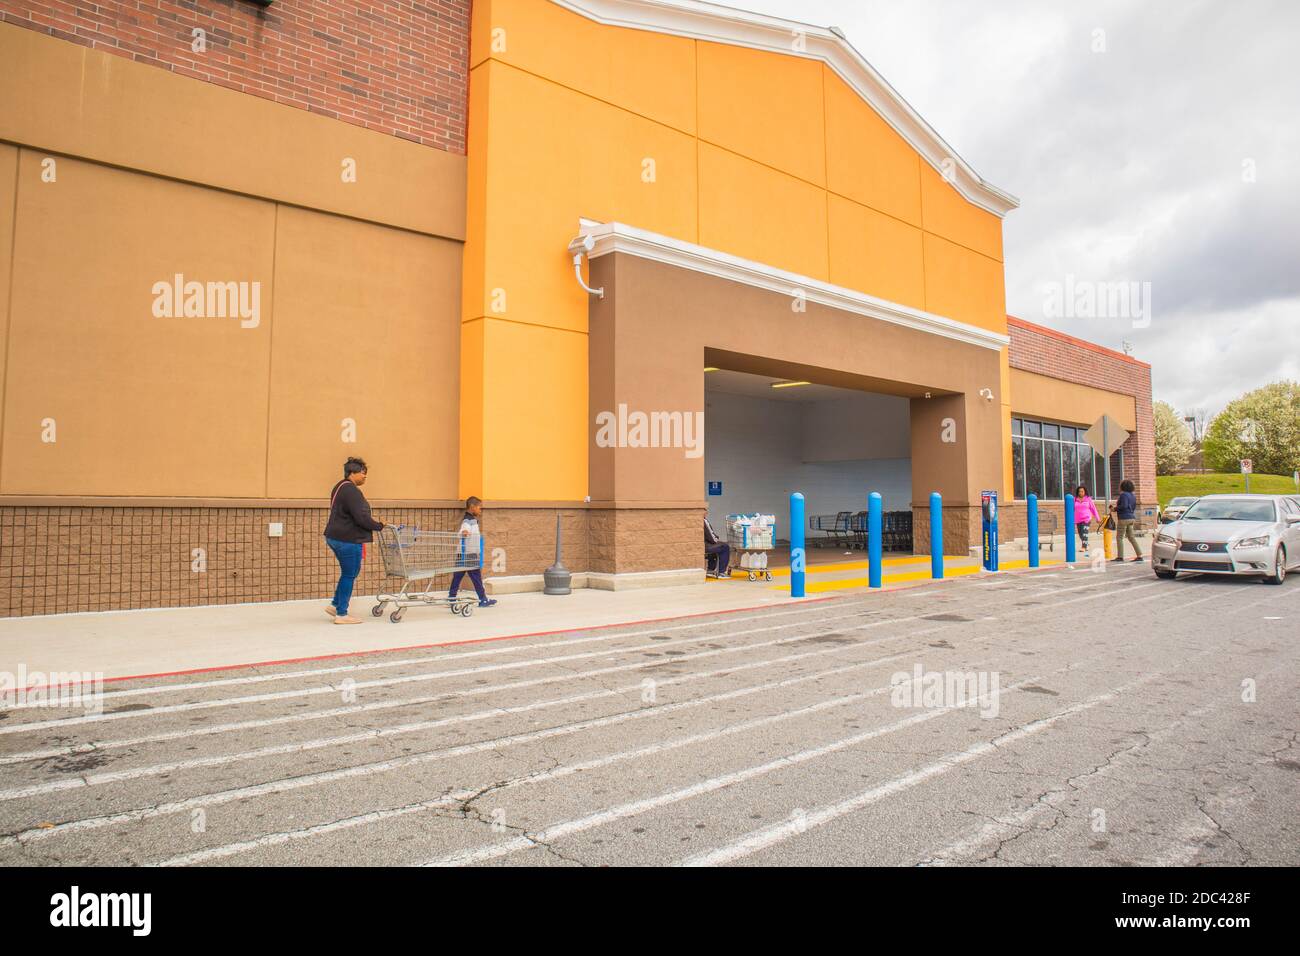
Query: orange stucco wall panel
column 762, row 155
column 534, row 434
column 554, row 155
column 779, row 119
column 866, row 160
column 947, row 214
column 756, row 212
column 964, row 285
column 649, row 74
column 870, row 250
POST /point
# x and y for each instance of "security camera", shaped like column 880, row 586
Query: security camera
column 578, row 246
column 582, row 245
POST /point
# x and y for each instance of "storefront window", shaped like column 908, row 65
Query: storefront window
column 1034, row 467
column 1052, row 468
column 1051, row 460
column 1018, row 464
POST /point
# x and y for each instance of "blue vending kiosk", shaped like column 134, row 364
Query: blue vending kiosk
column 989, row 510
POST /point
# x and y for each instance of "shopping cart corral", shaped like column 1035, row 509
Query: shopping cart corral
column 834, row 528
column 414, row 556
column 846, row 529
column 751, row 537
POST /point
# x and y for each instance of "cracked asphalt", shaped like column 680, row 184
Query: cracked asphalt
column 1128, row 721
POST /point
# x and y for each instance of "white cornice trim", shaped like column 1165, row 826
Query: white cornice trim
column 616, row 237
column 707, row 21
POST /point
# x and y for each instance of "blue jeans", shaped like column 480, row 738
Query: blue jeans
column 349, row 555
column 475, row 576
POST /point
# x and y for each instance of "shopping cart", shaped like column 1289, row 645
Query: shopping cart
column 895, row 530
column 835, row 529
column 750, row 538
column 414, row 555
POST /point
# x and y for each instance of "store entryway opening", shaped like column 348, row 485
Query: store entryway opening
column 766, row 437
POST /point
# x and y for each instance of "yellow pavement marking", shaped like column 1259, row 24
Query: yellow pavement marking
column 863, row 565
column 849, row 584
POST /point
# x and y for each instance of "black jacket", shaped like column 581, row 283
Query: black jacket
column 710, row 536
column 350, row 518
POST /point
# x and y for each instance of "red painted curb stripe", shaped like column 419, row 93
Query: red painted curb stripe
column 514, row 637
column 418, row 647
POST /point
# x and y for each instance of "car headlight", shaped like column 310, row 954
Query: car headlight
column 1259, row 542
column 1166, row 538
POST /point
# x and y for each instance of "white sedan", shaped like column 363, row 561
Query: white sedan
column 1255, row 535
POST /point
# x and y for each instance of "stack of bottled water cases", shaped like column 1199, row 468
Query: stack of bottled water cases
column 751, row 537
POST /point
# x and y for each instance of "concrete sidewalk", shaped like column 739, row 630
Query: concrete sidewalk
column 160, row 641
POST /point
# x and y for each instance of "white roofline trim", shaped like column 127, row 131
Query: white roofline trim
column 617, row 237
column 706, row 21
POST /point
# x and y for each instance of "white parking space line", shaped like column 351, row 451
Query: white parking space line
column 355, row 686
column 999, row 829
column 97, row 779
column 364, row 770
column 434, row 656
column 564, row 770
column 634, row 808
column 770, row 836
column 352, row 710
column 384, row 766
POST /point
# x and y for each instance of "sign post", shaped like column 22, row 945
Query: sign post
column 1247, row 468
column 989, row 513
column 1106, row 436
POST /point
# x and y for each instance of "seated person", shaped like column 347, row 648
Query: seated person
column 716, row 548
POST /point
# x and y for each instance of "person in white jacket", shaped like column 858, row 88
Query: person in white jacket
column 472, row 539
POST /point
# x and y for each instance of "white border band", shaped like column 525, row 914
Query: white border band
column 617, row 237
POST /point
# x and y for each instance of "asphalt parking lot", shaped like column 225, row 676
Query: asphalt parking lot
column 1126, row 721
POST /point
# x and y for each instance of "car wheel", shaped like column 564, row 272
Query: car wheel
column 1166, row 575
column 1279, row 567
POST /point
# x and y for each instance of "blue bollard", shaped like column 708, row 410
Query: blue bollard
column 873, row 539
column 798, row 557
column 936, row 535
column 1031, row 521
column 1069, row 529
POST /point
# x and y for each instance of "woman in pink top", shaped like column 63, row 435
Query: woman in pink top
column 1084, row 512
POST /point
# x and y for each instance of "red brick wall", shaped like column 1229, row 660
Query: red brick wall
column 1047, row 352
column 397, row 66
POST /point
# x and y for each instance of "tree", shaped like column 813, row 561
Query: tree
column 1173, row 443
column 1263, row 425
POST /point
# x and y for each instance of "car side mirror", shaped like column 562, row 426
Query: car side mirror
column 1292, row 520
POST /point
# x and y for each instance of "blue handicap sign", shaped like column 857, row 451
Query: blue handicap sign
column 715, row 488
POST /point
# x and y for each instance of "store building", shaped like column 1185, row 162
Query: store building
column 240, row 242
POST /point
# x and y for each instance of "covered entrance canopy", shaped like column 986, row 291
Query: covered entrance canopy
column 671, row 309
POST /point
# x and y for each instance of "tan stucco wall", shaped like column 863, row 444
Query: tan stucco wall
column 155, row 174
column 1055, row 399
column 658, row 326
column 70, row 99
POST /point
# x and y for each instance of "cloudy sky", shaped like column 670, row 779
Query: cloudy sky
column 1170, row 157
